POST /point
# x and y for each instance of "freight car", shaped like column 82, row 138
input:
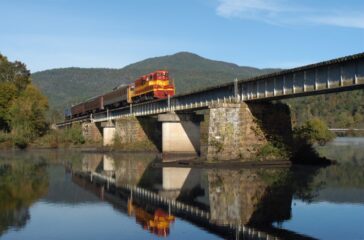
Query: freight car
column 155, row 85
column 117, row 97
column 94, row 104
column 78, row 110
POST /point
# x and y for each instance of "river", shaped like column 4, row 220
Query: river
column 58, row 194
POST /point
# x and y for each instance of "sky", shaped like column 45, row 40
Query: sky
column 46, row 34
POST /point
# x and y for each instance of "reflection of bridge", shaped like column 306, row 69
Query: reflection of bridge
column 346, row 129
column 177, row 208
column 223, row 202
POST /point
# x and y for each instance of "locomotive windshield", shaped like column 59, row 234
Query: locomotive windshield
column 162, row 75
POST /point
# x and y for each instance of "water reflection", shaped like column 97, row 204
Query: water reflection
column 21, row 184
column 223, row 201
column 235, row 203
column 156, row 221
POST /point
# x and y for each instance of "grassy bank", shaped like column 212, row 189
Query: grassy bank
column 64, row 138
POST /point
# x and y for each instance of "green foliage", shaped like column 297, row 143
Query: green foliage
column 22, row 105
column 73, row 135
column 14, row 72
column 4, row 136
column 8, row 92
column 50, row 140
column 338, row 110
column 312, row 132
column 272, row 151
column 27, row 116
column 268, row 150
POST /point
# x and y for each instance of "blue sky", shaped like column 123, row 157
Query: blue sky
column 261, row 33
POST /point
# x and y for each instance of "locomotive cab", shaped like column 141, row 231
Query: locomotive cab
column 155, row 85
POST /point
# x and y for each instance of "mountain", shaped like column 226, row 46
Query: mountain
column 65, row 86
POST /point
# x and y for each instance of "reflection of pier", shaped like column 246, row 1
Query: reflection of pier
column 174, row 207
column 231, row 203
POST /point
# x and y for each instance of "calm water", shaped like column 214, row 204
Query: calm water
column 72, row 195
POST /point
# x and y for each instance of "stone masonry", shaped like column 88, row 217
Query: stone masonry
column 239, row 130
column 91, row 132
column 138, row 134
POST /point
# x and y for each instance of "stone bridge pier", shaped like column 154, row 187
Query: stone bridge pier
column 240, row 130
column 92, row 132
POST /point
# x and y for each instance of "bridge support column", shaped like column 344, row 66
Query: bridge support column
column 180, row 133
column 108, row 135
column 91, row 132
column 138, row 134
column 239, row 130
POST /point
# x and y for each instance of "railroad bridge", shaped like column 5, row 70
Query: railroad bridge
column 226, row 121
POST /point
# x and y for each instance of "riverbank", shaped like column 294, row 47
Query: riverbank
column 228, row 164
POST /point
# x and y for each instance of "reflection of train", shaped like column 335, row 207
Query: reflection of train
column 155, row 85
column 157, row 222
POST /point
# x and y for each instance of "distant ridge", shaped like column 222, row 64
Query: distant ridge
column 190, row 71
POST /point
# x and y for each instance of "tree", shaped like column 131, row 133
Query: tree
column 8, row 92
column 14, row 72
column 312, row 132
column 27, row 116
column 22, row 105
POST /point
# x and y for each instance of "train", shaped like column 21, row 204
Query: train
column 154, row 85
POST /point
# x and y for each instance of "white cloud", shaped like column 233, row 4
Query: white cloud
column 341, row 21
column 282, row 12
column 242, row 8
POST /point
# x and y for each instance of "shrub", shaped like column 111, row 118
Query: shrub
column 21, row 141
column 73, row 135
column 4, row 137
column 271, row 151
column 312, row 132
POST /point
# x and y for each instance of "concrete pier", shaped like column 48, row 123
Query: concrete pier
column 180, row 133
column 108, row 135
column 174, row 178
